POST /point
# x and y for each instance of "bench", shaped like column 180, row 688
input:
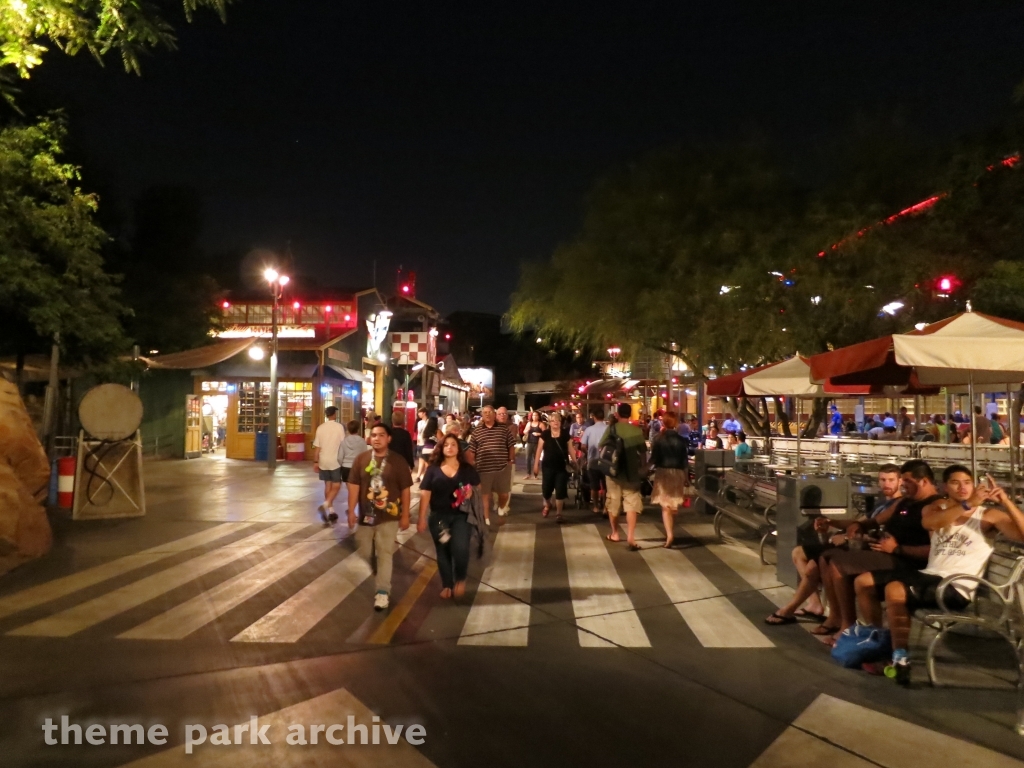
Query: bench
column 738, row 498
column 997, row 606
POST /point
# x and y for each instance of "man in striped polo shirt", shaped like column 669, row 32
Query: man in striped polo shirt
column 492, row 450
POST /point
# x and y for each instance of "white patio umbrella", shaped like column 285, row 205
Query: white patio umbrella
column 967, row 349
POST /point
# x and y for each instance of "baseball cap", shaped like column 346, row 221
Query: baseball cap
column 890, row 422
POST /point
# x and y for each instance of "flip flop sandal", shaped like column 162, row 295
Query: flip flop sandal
column 821, row 630
column 634, row 548
column 544, row 512
column 776, row 620
column 811, row 615
column 613, row 541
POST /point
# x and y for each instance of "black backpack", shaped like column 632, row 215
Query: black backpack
column 611, row 460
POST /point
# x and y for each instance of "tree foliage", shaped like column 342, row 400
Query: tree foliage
column 129, row 27
column 723, row 256
column 52, row 277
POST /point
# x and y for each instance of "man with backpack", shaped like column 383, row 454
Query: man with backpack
column 629, row 450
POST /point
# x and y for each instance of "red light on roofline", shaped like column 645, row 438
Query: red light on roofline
column 295, row 305
column 226, row 305
column 327, row 308
column 405, row 289
column 347, row 318
column 945, row 284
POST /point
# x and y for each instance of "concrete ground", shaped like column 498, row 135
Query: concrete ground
column 229, row 600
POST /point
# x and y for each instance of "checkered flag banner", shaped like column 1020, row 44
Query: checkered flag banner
column 412, row 348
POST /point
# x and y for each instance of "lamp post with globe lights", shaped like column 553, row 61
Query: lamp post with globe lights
column 277, row 283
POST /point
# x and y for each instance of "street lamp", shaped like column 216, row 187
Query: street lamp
column 277, row 283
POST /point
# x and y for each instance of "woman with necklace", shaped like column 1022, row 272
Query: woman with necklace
column 447, row 483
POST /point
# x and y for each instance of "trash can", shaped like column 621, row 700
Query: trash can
column 262, row 442
column 295, row 446
column 66, row 481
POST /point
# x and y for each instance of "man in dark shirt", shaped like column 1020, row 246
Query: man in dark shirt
column 401, row 440
column 905, row 543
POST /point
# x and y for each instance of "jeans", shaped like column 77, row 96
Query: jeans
column 531, row 454
column 453, row 557
column 383, row 538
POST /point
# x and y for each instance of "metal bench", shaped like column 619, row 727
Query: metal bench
column 997, row 606
column 746, row 500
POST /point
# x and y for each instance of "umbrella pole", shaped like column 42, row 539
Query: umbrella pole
column 1009, row 426
column 974, row 424
column 799, row 403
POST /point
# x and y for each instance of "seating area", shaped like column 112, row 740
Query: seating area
column 744, row 499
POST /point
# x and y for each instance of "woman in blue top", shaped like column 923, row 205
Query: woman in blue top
column 448, row 481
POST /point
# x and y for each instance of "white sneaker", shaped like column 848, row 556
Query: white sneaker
column 487, row 521
column 322, row 509
column 503, row 511
column 380, row 601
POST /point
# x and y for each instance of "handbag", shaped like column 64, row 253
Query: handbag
column 570, row 464
column 860, row 644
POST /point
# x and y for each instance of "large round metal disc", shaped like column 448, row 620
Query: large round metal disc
column 110, row 412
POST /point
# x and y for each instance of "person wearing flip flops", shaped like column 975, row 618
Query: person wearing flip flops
column 623, row 491
column 806, row 556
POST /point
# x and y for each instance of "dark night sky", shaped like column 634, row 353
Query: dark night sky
column 460, row 138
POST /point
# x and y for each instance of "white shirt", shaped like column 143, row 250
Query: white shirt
column 329, row 437
column 960, row 549
column 420, row 426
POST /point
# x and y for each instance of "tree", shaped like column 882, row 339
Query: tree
column 130, row 27
column 52, row 277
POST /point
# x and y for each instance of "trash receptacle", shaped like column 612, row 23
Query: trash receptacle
column 295, row 446
column 262, row 442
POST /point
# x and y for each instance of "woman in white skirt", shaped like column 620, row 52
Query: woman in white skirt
column 670, row 457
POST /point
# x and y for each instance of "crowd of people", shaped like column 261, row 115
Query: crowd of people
column 890, row 560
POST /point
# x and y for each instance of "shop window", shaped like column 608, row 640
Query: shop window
column 215, row 386
column 253, row 407
column 235, row 314
column 259, row 314
column 295, row 406
column 369, row 390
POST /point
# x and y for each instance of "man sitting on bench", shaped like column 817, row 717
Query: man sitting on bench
column 960, row 528
column 805, row 557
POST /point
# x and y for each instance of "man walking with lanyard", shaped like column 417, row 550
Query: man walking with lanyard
column 378, row 488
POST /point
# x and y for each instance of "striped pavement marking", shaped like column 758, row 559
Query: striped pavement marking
column 715, row 621
column 67, row 585
column 500, row 614
column 834, row 732
column 743, row 560
column 297, row 615
column 603, row 610
column 190, row 616
column 328, row 709
column 88, row 614
column 399, row 612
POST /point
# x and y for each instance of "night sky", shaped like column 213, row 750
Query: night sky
column 459, row 139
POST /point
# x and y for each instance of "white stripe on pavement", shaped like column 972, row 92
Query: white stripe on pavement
column 741, row 559
column 182, row 620
column 330, row 709
column 501, row 611
column 715, row 621
column 293, row 618
column 51, row 590
column 847, row 729
column 599, row 600
column 106, row 606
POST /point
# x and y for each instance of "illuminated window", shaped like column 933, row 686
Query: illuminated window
column 295, row 406
column 253, row 407
column 259, row 314
column 235, row 314
column 215, row 386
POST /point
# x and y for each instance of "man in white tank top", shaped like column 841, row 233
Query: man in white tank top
column 960, row 528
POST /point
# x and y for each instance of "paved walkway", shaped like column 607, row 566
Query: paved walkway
column 230, row 600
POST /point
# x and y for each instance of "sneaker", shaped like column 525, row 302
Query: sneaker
column 380, row 601
column 899, row 671
column 487, row 521
column 332, row 517
column 503, row 511
column 322, row 509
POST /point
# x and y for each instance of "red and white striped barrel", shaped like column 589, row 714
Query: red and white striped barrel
column 295, row 446
column 66, row 482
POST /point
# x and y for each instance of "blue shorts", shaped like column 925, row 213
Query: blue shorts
column 331, row 475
